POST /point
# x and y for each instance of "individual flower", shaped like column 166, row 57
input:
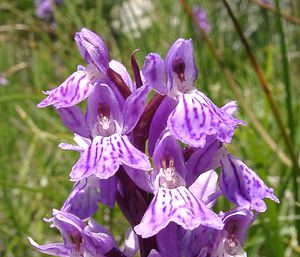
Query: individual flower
column 195, row 116
column 108, row 123
column 44, row 8
column 79, row 85
column 173, row 201
column 242, row 186
column 80, row 240
column 201, row 17
column 228, row 242
column 89, row 192
column 3, row 80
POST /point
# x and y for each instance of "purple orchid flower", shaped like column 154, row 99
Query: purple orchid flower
column 79, row 239
column 242, row 186
column 88, row 192
column 79, row 85
column 195, row 116
column 172, row 201
column 109, row 126
column 204, row 242
column 44, row 8
column 202, row 18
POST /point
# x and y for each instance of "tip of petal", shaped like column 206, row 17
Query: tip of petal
column 43, row 103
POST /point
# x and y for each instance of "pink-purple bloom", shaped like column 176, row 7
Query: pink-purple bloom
column 44, row 8
column 164, row 162
column 202, row 18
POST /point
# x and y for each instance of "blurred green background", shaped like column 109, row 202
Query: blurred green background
column 36, row 55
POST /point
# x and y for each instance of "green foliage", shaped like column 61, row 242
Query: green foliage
column 36, row 55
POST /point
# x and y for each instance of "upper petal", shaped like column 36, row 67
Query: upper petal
column 180, row 206
column 134, row 107
column 180, row 67
column 92, row 48
column 73, row 118
column 196, row 116
column 122, row 71
column 73, row 90
column 154, row 73
column 242, row 186
column 159, row 122
column 167, row 147
column 103, row 97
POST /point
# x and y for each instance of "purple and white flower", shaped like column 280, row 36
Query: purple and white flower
column 173, row 201
column 202, row 18
column 195, row 116
column 79, row 239
column 242, row 186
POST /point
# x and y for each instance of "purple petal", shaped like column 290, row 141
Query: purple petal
column 82, row 144
column 100, row 159
column 168, row 240
column 237, row 223
column 104, row 156
column 129, row 155
column 92, row 48
column 122, row 71
column 56, row 249
column 159, row 122
column 44, row 9
column 202, row 18
column 66, row 146
column 205, row 186
column 230, row 108
column 180, row 67
column 154, row 74
column 108, row 191
column 168, row 148
column 202, row 159
column 72, row 91
column 196, row 116
column 103, row 97
column 73, row 118
column 242, row 186
column 84, row 198
column 200, row 241
column 154, row 253
column 141, row 178
column 134, row 107
column 70, row 228
column 180, row 206
column 131, row 243
column 97, row 240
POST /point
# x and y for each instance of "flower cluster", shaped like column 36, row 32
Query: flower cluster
column 157, row 158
